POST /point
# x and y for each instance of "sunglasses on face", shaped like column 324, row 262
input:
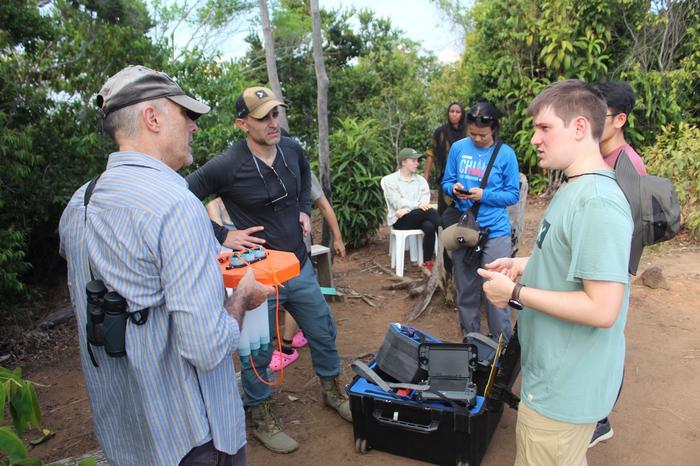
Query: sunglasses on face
column 480, row 119
column 276, row 189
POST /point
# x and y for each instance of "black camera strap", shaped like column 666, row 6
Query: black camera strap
column 485, row 178
column 137, row 317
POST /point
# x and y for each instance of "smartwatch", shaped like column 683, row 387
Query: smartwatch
column 514, row 300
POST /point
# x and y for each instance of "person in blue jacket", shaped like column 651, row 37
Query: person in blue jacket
column 466, row 165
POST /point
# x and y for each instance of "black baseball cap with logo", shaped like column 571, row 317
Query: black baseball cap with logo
column 137, row 83
column 257, row 102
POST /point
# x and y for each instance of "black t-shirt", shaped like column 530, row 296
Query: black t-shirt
column 255, row 194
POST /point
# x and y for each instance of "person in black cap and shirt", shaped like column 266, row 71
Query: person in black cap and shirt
column 264, row 181
column 167, row 395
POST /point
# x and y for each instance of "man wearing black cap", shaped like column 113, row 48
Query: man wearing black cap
column 264, row 181
column 167, row 395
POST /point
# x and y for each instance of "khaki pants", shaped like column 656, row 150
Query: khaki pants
column 541, row 441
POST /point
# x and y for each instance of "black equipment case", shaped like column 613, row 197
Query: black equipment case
column 398, row 356
column 434, row 431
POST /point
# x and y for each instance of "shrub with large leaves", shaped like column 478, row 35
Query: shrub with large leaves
column 676, row 155
column 360, row 157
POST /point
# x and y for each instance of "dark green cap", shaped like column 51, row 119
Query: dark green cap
column 408, row 153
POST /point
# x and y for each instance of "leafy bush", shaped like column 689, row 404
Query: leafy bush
column 360, row 157
column 21, row 399
column 676, row 155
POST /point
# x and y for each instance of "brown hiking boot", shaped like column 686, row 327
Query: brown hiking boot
column 334, row 397
column 268, row 431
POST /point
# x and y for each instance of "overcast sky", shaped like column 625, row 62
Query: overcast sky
column 420, row 20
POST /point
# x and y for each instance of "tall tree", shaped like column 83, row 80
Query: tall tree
column 271, row 60
column 322, row 98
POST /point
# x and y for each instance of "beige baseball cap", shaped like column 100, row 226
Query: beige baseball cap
column 137, row 83
column 257, row 102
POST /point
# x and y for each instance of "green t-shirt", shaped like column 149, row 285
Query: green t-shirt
column 571, row 372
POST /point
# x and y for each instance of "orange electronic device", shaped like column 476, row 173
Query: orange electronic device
column 270, row 267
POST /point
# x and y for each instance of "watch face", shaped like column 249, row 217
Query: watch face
column 515, row 304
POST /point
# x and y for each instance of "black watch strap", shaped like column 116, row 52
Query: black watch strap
column 514, row 300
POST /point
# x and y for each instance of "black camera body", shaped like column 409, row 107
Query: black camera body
column 106, row 319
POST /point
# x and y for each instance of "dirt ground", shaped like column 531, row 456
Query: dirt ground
column 656, row 421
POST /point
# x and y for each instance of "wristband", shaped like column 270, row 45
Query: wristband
column 514, row 300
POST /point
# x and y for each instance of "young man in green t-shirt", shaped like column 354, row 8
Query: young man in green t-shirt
column 574, row 289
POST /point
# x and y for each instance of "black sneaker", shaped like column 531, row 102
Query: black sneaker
column 603, row 431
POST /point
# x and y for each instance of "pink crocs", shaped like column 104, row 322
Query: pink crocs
column 299, row 339
column 278, row 362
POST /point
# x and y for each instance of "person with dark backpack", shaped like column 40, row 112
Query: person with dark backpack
column 620, row 99
column 629, row 170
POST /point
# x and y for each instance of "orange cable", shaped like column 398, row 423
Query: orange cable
column 277, row 284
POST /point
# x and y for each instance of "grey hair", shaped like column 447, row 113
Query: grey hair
column 125, row 122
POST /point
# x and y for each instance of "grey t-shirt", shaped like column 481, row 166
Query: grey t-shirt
column 316, row 193
column 316, row 188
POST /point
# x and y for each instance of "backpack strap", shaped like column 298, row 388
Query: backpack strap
column 485, row 178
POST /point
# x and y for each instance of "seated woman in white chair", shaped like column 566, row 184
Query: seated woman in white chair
column 408, row 200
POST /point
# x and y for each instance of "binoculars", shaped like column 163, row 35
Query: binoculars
column 106, row 318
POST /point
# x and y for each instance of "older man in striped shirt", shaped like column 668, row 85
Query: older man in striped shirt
column 173, row 398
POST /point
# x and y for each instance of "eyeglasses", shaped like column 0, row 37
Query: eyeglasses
column 613, row 114
column 279, row 189
column 480, row 119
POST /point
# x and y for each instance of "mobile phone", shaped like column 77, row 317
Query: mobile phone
column 463, row 191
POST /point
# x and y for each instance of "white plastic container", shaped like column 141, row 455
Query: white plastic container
column 255, row 332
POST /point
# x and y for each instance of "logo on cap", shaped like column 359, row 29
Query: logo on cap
column 261, row 94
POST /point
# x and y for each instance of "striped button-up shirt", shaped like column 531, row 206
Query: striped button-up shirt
column 149, row 239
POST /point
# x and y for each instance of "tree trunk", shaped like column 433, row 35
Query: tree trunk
column 321, row 98
column 322, row 108
column 271, row 60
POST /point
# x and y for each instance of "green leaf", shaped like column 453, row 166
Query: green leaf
column 87, row 462
column 24, row 407
column 3, row 397
column 28, row 462
column 11, row 445
column 46, row 434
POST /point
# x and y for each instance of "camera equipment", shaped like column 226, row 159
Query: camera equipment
column 95, row 290
column 114, row 325
column 106, row 319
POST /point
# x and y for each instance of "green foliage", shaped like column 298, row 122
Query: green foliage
column 373, row 72
column 676, row 155
column 514, row 49
column 517, row 48
column 360, row 159
column 218, row 84
column 53, row 57
column 20, row 397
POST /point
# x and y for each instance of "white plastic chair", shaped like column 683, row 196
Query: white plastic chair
column 401, row 240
